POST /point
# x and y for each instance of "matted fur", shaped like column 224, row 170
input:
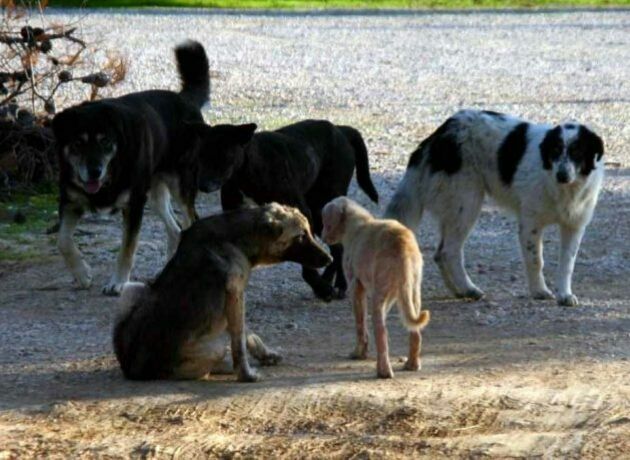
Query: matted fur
column 383, row 263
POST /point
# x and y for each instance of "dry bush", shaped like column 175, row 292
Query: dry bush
column 43, row 66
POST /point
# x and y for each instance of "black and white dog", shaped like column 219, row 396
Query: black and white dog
column 114, row 153
column 545, row 174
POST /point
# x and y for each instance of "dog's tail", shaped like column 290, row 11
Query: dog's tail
column 361, row 161
column 194, row 71
column 407, row 204
column 410, row 302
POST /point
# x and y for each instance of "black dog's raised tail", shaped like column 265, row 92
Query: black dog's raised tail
column 361, row 161
column 194, row 71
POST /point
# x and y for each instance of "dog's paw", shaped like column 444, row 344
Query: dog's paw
column 385, row 372
column 325, row 293
column 340, row 293
column 472, row 294
column 358, row 353
column 272, row 358
column 543, row 294
column 248, row 375
column 568, row 300
column 83, row 275
column 113, row 288
column 412, row 365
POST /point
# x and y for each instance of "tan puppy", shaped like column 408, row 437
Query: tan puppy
column 383, row 263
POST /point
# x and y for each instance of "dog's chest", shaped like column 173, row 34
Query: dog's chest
column 119, row 201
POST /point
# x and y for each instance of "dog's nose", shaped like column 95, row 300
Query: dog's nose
column 95, row 172
column 562, row 177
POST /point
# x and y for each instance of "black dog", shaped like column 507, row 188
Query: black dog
column 305, row 165
column 173, row 327
column 115, row 152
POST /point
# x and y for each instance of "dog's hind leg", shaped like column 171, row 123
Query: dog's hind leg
column 457, row 218
column 570, row 239
column 132, row 220
column 265, row 355
column 69, row 216
column 202, row 356
column 359, row 306
column 530, row 235
column 379, row 311
column 160, row 200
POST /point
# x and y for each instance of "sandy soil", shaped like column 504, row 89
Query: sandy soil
column 502, row 377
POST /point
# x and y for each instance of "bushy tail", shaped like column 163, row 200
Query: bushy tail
column 410, row 304
column 194, row 71
column 361, row 161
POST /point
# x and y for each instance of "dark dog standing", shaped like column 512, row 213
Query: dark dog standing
column 116, row 153
column 173, row 327
column 306, row 165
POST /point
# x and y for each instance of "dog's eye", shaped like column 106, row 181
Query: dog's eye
column 106, row 144
column 76, row 144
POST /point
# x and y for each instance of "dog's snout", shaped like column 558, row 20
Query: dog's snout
column 95, row 172
column 562, row 177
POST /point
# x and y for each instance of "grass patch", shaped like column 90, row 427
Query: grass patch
column 325, row 4
column 23, row 240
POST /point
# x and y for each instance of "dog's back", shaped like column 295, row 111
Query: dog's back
column 158, row 319
column 477, row 152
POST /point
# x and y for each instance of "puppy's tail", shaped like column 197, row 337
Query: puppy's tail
column 410, row 304
column 407, row 204
column 361, row 161
column 194, row 71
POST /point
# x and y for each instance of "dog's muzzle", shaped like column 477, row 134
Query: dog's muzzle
column 562, row 177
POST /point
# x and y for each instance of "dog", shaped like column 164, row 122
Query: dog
column 545, row 174
column 383, row 264
column 173, row 327
column 305, row 165
column 114, row 153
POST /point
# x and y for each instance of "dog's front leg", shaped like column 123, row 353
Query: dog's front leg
column 69, row 216
column 570, row 239
column 359, row 306
column 160, row 201
column 530, row 236
column 132, row 220
column 235, row 312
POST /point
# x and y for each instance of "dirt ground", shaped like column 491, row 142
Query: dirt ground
column 504, row 377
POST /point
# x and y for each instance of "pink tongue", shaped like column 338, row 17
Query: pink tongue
column 92, row 186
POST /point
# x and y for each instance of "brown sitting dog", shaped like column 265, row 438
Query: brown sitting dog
column 382, row 262
column 174, row 327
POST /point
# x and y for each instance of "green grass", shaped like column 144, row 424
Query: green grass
column 319, row 4
column 24, row 241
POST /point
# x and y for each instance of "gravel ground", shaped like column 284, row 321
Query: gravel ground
column 504, row 377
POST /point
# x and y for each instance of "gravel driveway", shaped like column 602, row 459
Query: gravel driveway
column 504, row 377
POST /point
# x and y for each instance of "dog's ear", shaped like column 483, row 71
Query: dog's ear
column 62, row 123
column 591, row 147
column 244, row 133
column 551, row 146
column 222, row 136
column 334, row 214
column 270, row 227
